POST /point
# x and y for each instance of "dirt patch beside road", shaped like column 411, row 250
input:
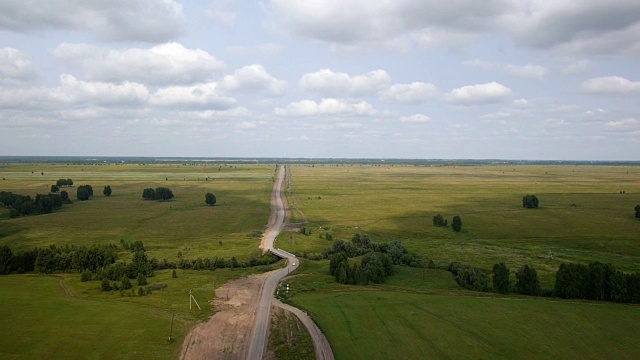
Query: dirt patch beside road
column 225, row 335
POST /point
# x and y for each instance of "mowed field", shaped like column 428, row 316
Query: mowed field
column 184, row 224
column 41, row 320
column 423, row 313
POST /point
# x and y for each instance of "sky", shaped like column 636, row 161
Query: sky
column 461, row 79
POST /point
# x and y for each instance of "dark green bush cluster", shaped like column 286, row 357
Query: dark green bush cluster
column 361, row 244
column 84, row 192
column 530, row 202
column 439, row 220
column 373, row 268
column 161, row 194
column 51, row 259
column 469, row 277
column 64, row 182
column 24, row 205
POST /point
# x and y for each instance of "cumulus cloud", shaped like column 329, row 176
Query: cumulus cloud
column 16, row 66
column 479, row 94
column 203, row 96
column 329, row 83
column 415, row 119
column 330, row 106
column 610, row 85
column 111, row 20
column 254, row 77
column 163, row 64
column 622, row 124
column 416, row 92
column 526, row 71
column 587, row 26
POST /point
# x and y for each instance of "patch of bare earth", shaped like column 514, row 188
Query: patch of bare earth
column 226, row 334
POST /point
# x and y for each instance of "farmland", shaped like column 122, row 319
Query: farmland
column 585, row 214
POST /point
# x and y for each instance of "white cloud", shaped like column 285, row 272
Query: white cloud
column 622, row 123
column 203, row 96
column 329, row 83
column 163, row 64
column 330, row 106
column 16, row 66
column 416, row 119
column 111, row 20
column 526, row 71
column 246, row 125
column 254, row 77
column 610, row 85
column 520, row 103
column 576, row 66
column 479, row 94
column 416, row 92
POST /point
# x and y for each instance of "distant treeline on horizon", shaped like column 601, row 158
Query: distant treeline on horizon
column 102, row 160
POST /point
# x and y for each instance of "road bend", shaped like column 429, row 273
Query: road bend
column 258, row 340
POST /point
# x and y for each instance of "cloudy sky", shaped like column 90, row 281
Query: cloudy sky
column 518, row 79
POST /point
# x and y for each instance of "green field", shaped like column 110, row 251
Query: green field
column 420, row 313
column 39, row 320
column 184, row 224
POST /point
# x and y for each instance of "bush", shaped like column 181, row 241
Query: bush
column 469, row 277
column 456, row 224
column 527, row 281
column 106, row 285
column 440, row 221
column 174, row 274
column 140, row 291
column 158, row 286
column 86, row 276
column 530, row 202
column 142, row 280
column 501, row 280
column 125, row 283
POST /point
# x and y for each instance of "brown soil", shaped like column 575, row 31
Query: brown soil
column 226, row 334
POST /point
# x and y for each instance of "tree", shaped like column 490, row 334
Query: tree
column 6, row 259
column 148, row 194
column 174, row 274
column 210, row 199
column 125, row 283
column 64, row 182
column 107, row 191
column 439, row 220
column 637, row 209
column 82, row 193
column 106, row 285
column 86, row 276
column 163, row 194
column 527, row 281
column 65, row 197
column 501, row 280
column 142, row 280
column 530, row 202
column 456, row 223
column 55, row 188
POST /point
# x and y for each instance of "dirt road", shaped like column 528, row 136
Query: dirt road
column 261, row 326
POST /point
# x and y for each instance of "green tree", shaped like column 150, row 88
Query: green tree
column 55, row 188
column 140, row 291
column 125, row 283
column 530, row 202
column 149, row 194
column 142, row 280
column 163, row 194
column 501, row 280
column 107, row 191
column 65, row 197
column 637, row 209
column 6, row 260
column 82, row 193
column 210, row 199
column 527, row 281
column 174, row 274
column 439, row 220
column 456, row 223
column 106, row 285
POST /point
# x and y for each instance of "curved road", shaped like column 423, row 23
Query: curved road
column 262, row 317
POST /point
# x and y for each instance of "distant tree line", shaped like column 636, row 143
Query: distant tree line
column 64, row 182
column 24, row 205
column 595, row 281
column 161, row 194
column 57, row 259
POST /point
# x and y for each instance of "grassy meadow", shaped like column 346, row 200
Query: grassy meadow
column 41, row 320
column 184, row 224
column 416, row 313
